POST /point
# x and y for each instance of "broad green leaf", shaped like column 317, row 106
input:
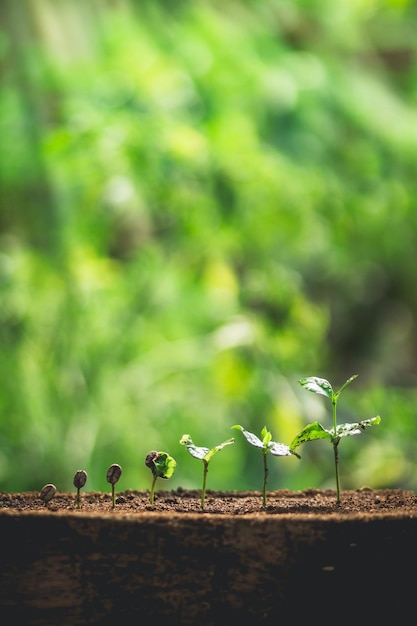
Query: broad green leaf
column 164, row 465
column 203, row 454
column 195, row 451
column 309, row 433
column 279, row 449
column 317, row 385
column 250, row 437
column 275, row 448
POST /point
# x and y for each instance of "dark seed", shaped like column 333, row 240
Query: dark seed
column 113, row 473
column 48, row 492
column 150, row 460
column 80, row 478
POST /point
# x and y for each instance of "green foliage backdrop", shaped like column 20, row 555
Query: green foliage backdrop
column 202, row 203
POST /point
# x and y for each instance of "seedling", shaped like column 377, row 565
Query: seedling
column 80, row 478
column 162, row 465
column 266, row 445
column 113, row 474
column 205, row 455
column 315, row 430
column 47, row 493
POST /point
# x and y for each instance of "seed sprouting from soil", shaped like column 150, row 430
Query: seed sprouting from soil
column 47, row 493
column 80, row 478
column 150, row 461
column 113, row 474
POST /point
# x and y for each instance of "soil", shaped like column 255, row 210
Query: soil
column 365, row 502
column 301, row 555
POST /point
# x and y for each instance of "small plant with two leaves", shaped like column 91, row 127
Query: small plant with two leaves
column 205, row 455
column 266, row 445
column 316, row 431
column 162, row 465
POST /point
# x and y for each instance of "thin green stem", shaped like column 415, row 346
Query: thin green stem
column 203, row 491
column 265, row 479
column 336, row 463
column 113, row 496
column 335, row 449
column 78, row 498
column 334, row 403
column 152, row 493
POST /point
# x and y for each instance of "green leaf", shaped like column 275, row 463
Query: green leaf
column 195, row 451
column 309, row 433
column 203, row 454
column 164, row 465
column 250, row 437
column 356, row 428
column 217, row 448
column 349, row 380
column 317, row 385
column 274, row 447
column 279, row 449
column 266, row 436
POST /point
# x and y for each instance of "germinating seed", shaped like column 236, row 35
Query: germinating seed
column 113, row 473
column 150, row 459
column 48, row 492
column 80, row 478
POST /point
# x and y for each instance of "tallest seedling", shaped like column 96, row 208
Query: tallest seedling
column 316, row 431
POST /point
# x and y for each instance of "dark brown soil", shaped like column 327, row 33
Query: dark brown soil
column 364, row 502
column 301, row 555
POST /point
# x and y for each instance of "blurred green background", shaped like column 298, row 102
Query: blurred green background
column 201, row 203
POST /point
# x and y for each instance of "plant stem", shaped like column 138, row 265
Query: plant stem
column 152, row 493
column 265, row 480
column 203, row 491
column 336, row 462
column 335, row 449
column 112, row 496
column 334, row 403
column 78, row 498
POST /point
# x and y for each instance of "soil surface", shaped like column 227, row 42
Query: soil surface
column 364, row 502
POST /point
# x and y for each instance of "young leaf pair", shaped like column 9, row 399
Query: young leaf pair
column 266, row 445
column 205, row 455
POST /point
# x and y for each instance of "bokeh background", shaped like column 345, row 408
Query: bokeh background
column 201, row 203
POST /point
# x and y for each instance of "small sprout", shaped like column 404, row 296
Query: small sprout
column 113, row 474
column 315, row 430
column 162, row 465
column 266, row 445
column 80, row 478
column 47, row 493
column 205, row 455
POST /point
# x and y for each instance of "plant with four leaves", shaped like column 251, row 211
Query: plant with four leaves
column 205, row 455
column 315, row 430
column 162, row 465
column 266, row 445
